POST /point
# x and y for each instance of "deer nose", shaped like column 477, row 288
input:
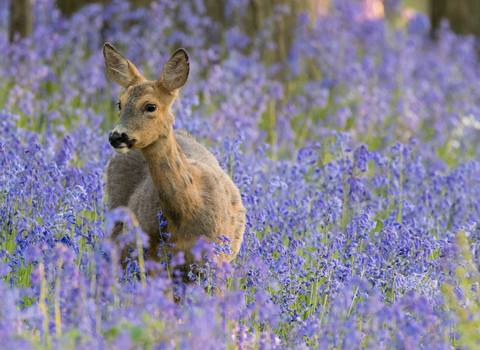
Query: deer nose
column 118, row 140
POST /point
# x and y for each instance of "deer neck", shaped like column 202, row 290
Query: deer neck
column 174, row 178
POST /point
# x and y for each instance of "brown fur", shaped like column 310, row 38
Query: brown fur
column 168, row 170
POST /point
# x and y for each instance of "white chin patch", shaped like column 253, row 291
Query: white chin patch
column 121, row 150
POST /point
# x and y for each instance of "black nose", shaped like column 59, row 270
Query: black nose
column 116, row 139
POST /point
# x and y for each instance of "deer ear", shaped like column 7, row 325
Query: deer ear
column 120, row 70
column 175, row 72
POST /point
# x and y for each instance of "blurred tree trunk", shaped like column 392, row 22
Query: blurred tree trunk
column 258, row 11
column 21, row 18
column 463, row 15
column 68, row 7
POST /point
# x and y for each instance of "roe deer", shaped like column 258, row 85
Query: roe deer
column 158, row 169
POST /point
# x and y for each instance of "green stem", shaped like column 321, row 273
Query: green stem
column 58, row 316
column 43, row 305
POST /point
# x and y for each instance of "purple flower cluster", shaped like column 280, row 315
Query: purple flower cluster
column 358, row 169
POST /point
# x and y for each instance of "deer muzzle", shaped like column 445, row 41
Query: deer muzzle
column 121, row 143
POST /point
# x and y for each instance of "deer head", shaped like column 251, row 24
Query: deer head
column 144, row 108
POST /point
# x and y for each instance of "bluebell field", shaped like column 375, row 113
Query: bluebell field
column 357, row 159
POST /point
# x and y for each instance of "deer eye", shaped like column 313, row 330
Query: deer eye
column 119, row 106
column 150, row 108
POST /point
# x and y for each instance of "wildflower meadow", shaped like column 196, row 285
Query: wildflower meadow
column 357, row 159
